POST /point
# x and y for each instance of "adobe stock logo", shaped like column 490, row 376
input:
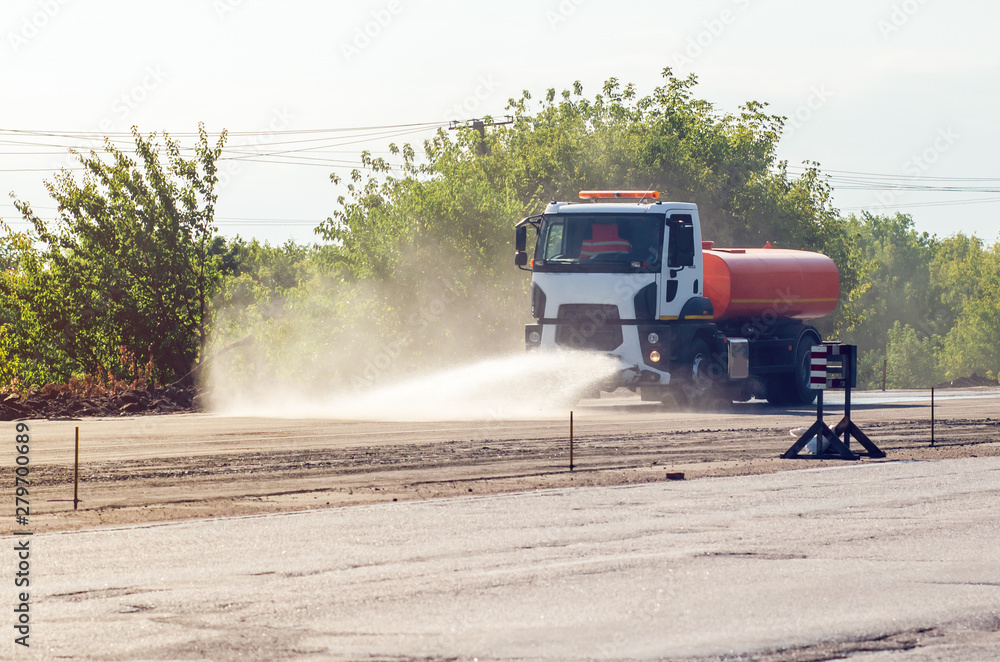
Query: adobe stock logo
column 224, row 7
column 131, row 98
column 918, row 164
column 35, row 22
column 900, row 16
column 562, row 13
column 699, row 43
column 230, row 169
column 818, row 96
column 370, row 30
column 468, row 106
column 123, row 105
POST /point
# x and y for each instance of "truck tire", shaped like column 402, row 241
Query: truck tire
column 702, row 387
column 792, row 389
column 802, row 394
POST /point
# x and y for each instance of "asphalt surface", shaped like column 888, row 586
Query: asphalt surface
column 877, row 561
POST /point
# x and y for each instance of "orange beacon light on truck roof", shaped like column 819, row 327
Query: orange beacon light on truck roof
column 597, row 195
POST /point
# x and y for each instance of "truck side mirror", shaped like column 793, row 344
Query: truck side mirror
column 521, row 238
column 520, row 258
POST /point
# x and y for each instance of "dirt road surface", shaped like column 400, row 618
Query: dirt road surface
column 166, row 468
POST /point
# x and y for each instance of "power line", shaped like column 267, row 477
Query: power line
column 321, row 147
column 267, row 221
column 261, row 150
column 896, row 176
column 936, row 203
column 262, row 132
column 847, row 180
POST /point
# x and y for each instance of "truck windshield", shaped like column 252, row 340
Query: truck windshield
column 600, row 242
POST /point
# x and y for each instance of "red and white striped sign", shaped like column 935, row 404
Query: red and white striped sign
column 817, row 369
column 833, row 365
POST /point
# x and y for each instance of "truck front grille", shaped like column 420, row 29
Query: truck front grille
column 589, row 326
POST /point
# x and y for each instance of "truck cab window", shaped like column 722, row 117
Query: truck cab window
column 604, row 240
column 680, row 248
column 554, row 239
column 600, row 243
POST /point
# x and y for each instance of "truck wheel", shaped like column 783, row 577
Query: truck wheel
column 799, row 388
column 792, row 389
column 701, row 388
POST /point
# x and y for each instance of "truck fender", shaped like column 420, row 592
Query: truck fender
column 808, row 334
column 697, row 308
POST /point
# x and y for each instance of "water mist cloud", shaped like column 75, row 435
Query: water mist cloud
column 517, row 386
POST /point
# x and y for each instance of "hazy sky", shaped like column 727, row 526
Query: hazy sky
column 905, row 89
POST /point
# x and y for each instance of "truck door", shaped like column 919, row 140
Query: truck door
column 682, row 264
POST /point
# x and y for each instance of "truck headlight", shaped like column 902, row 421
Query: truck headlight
column 653, row 338
column 654, row 356
column 535, row 337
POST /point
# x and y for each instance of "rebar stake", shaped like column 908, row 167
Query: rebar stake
column 76, row 470
column 571, row 441
column 932, row 416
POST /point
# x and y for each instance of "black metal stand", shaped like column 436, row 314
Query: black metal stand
column 820, row 430
column 836, row 448
column 847, row 428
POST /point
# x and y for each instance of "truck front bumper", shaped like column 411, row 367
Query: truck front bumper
column 631, row 373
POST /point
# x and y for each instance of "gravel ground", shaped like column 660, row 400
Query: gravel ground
column 181, row 466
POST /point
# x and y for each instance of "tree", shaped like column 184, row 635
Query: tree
column 126, row 273
column 958, row 270
column 892, row 285
column 971, row 345
column 911, row 359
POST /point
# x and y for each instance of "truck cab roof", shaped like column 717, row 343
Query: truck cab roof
column 617, row 207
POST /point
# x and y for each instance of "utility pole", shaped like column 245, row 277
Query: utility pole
column 480, row 125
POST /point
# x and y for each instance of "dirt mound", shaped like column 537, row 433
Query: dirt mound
column 57, row 403
column 966, row 382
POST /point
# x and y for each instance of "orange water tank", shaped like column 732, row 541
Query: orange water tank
column 764, row 282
